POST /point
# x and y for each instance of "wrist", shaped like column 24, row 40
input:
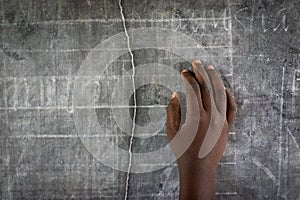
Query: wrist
column 197, row 186
column 196, row 167
column 197, row 181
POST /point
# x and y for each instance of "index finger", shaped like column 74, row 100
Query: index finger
column 204, row 82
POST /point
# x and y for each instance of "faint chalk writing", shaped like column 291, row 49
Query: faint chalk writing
column 266, row 23
column 266, row 170
column 209, row 19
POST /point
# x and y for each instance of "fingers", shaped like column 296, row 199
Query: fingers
column 193, row 94
column 231, row 108
column 203, row 79
column 218, row 87
column 173, row 116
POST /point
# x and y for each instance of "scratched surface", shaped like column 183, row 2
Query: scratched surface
column 254, row 44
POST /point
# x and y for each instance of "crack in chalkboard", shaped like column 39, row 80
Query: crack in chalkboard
column 134, row 101
column 281, row 134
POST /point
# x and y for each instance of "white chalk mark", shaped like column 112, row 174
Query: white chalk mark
column 89, row 3
column 15, row 93
column 293, row 138
column 79, row 107
column 282, row 22
column 227, row 163
column 229, row 23
column 69, row 96
column 236, row 18
column 280, row 134
column 84, row 136
column 167, row 172
column 21, row 6
column 230, row 37
column 294, row 88
column 226, row 193
column 266, row 170
column 80, row 21
column 288, row 191
column 57, row 136
column 26, row 93
column 286, row 162
column 7, row 147
column 134, row 100
column 295, row 78
column 42, row 92
column 263, row 23
column 53, row 89
column 108, row 48
column 8, row 164
column 5, row 94
column 232, row 133
column 215, row 22
column 252, row 17
column 229, row 29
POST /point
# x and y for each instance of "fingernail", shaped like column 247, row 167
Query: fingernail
column 197, row 61
column 173, row 95
column 210, row 67
column 184, row 71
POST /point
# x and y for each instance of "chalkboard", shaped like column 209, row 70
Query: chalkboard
column 66, row 103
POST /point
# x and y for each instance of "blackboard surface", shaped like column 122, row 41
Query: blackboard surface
column 255, row 45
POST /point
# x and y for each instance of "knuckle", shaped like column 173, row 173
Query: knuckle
column 195, row 87
column 206, row 89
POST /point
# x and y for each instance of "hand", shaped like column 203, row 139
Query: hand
column 198, row 164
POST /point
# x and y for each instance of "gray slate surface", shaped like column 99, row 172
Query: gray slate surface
column 254, row 44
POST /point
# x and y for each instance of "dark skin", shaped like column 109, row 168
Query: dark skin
column 198, row 175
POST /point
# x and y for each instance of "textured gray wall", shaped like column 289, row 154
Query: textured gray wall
column 254, row 44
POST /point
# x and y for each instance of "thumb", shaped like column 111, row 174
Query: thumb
column 173, row 116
